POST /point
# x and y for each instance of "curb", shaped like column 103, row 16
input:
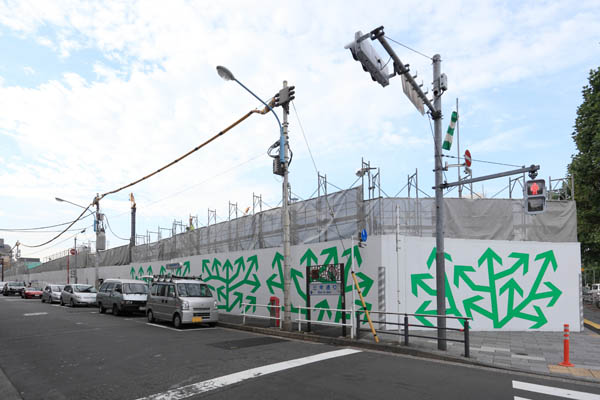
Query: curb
column 392, row 348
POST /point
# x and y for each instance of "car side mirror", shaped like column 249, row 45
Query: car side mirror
column 118, row 290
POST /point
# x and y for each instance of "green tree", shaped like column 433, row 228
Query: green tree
column 585, row 168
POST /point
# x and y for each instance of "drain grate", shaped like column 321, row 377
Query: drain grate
column 245, row 343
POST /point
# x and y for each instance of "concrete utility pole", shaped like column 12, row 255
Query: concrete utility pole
column 96, row 259
column 132, row 238
column 440, row 265
column 287, row 269
column 75, row 264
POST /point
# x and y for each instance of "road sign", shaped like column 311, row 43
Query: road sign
column 412, row 94
column 363, row 235
column 468, row 158
column 72, row 251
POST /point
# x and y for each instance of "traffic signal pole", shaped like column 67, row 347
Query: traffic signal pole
column 287, row 271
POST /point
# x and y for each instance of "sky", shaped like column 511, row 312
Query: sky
column 94, row 95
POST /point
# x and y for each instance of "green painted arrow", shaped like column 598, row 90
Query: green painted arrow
column 253, row 260
column 469, row 305
column 539, row 319
column 549, row 259
column 554, row 293
column 512, row 286
column 221, row 293
column 365, row 283
column 460, row 272
column 141, row 271
column 163, row 270
column 419, row 280
column 332, row 255
column 271, row 281
column 297, row 277
column 323, row 305
column 432, row 256
column 239, row 298
column 132, row 273
column 215, row 267
column 490, row 256
column 149, row 270
column 357, row 256
column 309, row 258
column 522, row 260
column 206, row 268
column 252, row 301
column 423, row 310
column 241, row 266
column 187, row 268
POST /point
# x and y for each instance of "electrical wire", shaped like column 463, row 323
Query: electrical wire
column 409, row 48
column 109, row 228
column 38, row 228
column 58, row 243
column 305, row 140
column 61, row 233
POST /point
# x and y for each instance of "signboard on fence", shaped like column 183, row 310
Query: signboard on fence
column 325, row 280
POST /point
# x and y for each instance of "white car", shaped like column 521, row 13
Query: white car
column 78, row 294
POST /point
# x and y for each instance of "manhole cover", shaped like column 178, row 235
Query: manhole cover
column 244, row 343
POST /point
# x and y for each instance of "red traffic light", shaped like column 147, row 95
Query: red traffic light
column 536, row 187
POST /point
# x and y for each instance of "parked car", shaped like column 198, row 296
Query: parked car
column 588, row 296
column 51, row 293
column 122, row 295
column 2, row 286
column 596, row 294
column 13, row 288
column 78, row 294
column 182, row 301
column 31, row 292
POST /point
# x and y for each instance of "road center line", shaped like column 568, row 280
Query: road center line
column 216, row 383
column 31, row 314
column 554, row 391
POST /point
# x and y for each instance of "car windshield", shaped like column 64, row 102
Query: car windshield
column 57, row 288
column 84, row 289
column 16, row 284
column 36, row 288
column 193, row 290
column 135, row 288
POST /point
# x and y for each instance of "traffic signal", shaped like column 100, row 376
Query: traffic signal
column 362, row 51
column 285, row 95
column 535, row 196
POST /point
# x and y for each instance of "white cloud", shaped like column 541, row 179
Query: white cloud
column 28, row 71
column 158, row 94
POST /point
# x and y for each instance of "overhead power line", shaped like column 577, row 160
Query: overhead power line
column 37, row 228
column 409, row 48
column 98, row 198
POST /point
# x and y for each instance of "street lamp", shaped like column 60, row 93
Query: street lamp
column 283, row 160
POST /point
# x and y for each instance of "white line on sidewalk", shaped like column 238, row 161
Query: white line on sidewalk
column 31, row 314
column 212, row 384
column 554, row 391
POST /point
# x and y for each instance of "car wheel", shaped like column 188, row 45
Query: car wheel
column 150, row 316
column 115, row 309
column 101, row 309
column 177, row 321
column 72, row 304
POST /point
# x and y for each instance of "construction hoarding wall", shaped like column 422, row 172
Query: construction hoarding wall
column 502, row 285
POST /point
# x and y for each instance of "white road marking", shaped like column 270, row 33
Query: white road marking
column 528, row 357
column 31, row 314
column 520, row 398
column 212, row 384
column 177, row 330
column 554, row 391
column 493, row 349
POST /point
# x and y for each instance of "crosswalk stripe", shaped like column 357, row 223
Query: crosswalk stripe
column 216, row 383
column 554, row 391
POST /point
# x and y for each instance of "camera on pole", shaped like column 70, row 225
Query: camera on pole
column 535, row 196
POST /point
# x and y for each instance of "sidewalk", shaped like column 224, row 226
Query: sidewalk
column 537, row 352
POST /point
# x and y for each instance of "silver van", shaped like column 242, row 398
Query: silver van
column 122, row 295
column 182, row 301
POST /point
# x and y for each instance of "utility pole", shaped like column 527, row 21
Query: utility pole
column 287, row 269
column 440, row 266
column 132, row 238
column 75, row 251
column 458, row 149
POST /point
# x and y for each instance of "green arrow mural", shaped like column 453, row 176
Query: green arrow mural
column 511, row 293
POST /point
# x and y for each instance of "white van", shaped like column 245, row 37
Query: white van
column 122, row 295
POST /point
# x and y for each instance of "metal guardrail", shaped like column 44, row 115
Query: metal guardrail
column 405, row 325
column 269, row 307
column 299, row 320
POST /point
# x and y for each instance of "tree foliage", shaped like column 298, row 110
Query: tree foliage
column 585, row 168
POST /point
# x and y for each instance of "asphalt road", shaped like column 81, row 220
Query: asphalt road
column 52, row 352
